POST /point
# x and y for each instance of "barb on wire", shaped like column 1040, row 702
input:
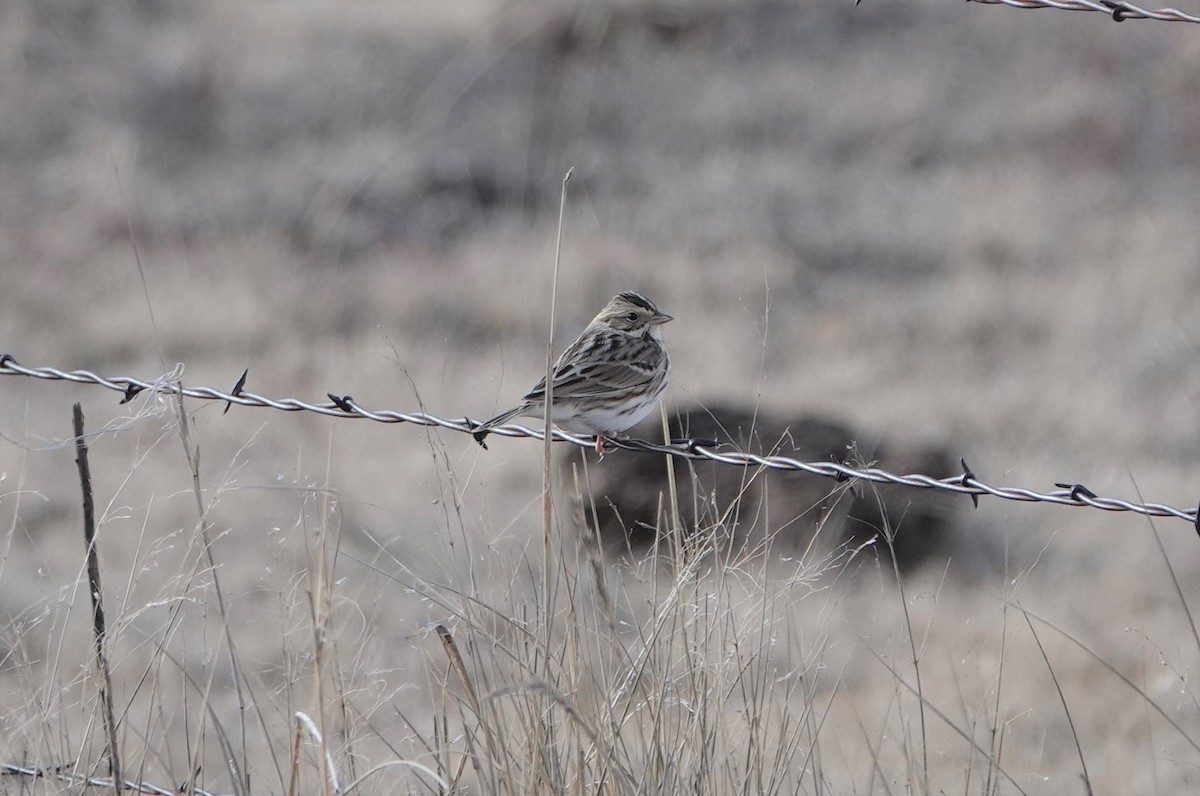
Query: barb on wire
column 698, row 449
column 1119, row 11
column 237, row 389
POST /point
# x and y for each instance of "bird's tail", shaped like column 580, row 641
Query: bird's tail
column 483, row 429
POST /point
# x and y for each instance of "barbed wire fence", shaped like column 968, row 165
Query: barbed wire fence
column 1117, row 10
column 345, row 407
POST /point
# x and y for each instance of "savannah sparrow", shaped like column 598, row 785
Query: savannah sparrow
column 608, row 379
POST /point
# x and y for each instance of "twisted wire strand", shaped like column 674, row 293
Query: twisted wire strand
column 345, row 407
column 11, row 769
column 1119, row 11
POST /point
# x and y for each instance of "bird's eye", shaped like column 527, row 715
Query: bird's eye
column 631, row 316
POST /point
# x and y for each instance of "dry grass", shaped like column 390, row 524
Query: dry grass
column 961, row 224
column 722, row 674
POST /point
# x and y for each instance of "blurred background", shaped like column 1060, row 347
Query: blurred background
column 943, row 224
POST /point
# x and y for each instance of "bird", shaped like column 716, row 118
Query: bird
column 606, row 381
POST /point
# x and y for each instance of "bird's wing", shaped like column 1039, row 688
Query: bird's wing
column 600, row 367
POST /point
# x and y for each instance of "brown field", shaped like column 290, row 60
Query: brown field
column 943, row 224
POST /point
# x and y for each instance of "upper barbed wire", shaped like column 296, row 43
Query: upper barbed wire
column 1119, row 11
column 345, row 407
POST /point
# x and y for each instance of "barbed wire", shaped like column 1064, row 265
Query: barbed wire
column 59, row 774
column 343, row 406
column 1119, row 11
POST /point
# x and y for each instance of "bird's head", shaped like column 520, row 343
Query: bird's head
column 633, row 313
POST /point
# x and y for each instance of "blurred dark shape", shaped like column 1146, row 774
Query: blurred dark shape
column 607, row 26
column 178, row 116
column 751, row 510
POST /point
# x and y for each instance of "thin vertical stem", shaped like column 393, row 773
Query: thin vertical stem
column 99, row 629
column 547, row 475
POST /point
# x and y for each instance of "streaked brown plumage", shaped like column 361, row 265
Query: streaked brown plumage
column 607, row 380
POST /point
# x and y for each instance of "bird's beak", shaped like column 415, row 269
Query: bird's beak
column 659, row 318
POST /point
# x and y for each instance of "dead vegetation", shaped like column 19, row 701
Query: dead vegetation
column 959, row 230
